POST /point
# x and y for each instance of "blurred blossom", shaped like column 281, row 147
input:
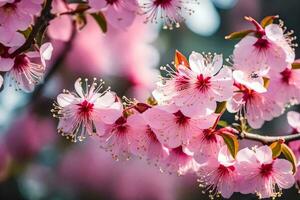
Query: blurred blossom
column 5, row 160
column 205, row 21
column 28, row 136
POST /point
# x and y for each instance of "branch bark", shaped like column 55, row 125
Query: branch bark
column 40, row 25
column 268, row 139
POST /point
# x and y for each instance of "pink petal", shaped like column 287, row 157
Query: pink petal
column 97, row 4
column 264, row 154
column 65, row 99
column 196, row 61
column 60, row 28
column 119, row 17
column 225, row 157
column 6, row 64
column 78, row 87
column 294, row 119
column 283, row 173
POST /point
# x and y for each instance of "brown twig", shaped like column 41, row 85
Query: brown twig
column 268, row 139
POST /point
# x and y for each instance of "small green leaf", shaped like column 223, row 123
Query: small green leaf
column 101, row 21
column 232, row 142
column 296, row 65
column 221, row 107
column 222, row 123
column 276, row 148
column 290, row 156
column 238, row 35
column 268, row 20
column 180, row 59
column 26, row 32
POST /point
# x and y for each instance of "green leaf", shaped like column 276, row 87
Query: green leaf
column 26, row 32
column 180, row 59
column 268, row 20
column 296, row 65
column 238, row 35
column 221, row 107
column 276, row 148
column 290, row 156
column 222, row 123
column 101, row 21
column 232, row 142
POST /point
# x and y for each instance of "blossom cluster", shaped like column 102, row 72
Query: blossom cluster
column 178, row 129
column 23, row 69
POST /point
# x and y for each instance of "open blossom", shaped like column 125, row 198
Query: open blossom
column 197, row 89
column 173, row 128
column 180, row 161
column 219, row 174
column 261, row 174
column 18, row 14
column 118, row 13
column 121, row 138
column 205, row 145
column 285, row 86
column 84, row 112
column 28, row 68
column 171, row 12
column 271, row 48
column 257, row 107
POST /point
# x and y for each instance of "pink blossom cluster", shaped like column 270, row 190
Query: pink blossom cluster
column 177, row 129
column 25, row 69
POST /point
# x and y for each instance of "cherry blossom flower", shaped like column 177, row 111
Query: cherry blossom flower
column 121, row 138
column 171, row 12
column 173, row 128
column 28, row 68
column 287, row 83
column 261, row 174
column 180, row 161
column 256, row 107
column 18, row 15
column 197, row 89
column 205, row 145
column 270, row 49
column 83, row 112
column 219, row 174
column 119, row 13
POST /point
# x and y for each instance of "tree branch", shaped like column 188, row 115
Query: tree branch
column 268, row 139
column 41, row 24
column 59, row 60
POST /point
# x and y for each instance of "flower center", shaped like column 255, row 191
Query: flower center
column 85, row 109
column 181, row 83
column 21, row 63
column 223, row 170
column 262, row 44
column 162, row 3
column 203, row 84
column 181, row 119
column 210, row 136
column 151, row 135
column 120, row 126
column 111, row 2
column 286, row 75
column 266, row 169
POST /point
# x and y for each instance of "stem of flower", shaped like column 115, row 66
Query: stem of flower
column 41, row 24
column 268, row 139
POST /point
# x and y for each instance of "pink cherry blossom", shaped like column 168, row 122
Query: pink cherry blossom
column 197, row 89
column 180, row 161
column 205, row 145
column 256, row 107
column 173, row 128
column 121, row 138
column 270, row 49
column 84, row 112
column 118, row 13
column 28, row 68
column 219, row 174
column 261, row 174
column 171, row 12
column 286, row 82
column 18, row 15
